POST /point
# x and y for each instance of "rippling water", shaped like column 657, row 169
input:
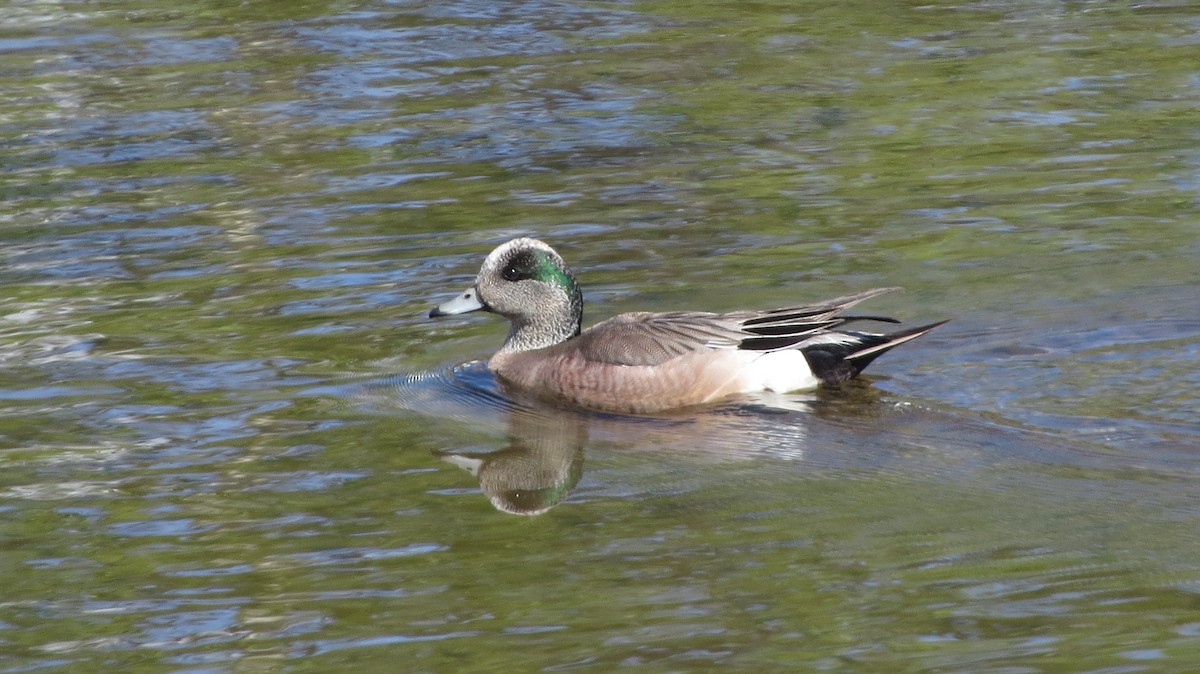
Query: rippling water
column 231, row 441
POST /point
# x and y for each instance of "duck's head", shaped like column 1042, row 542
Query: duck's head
column 528, row 283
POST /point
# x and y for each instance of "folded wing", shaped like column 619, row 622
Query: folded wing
column 655, row 338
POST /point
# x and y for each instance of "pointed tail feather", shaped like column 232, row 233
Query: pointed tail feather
column 892, row 340
column 837, row 362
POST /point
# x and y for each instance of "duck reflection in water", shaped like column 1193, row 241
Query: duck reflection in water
column 540, row 460
column 544, row 456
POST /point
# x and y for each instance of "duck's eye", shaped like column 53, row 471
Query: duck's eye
column 511, row 273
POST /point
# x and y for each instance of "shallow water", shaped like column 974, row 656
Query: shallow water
column 232, row 441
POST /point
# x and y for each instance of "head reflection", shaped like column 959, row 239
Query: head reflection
column 537, row 470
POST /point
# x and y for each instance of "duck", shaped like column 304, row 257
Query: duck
column 651, row 362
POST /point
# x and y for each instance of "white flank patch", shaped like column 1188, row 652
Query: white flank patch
column 779, row 371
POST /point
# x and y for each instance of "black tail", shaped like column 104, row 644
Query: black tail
column 837, row 362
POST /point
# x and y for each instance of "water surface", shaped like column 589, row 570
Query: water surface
column 231, row 440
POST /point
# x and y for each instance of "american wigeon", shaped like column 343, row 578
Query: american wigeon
column 648, row 362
